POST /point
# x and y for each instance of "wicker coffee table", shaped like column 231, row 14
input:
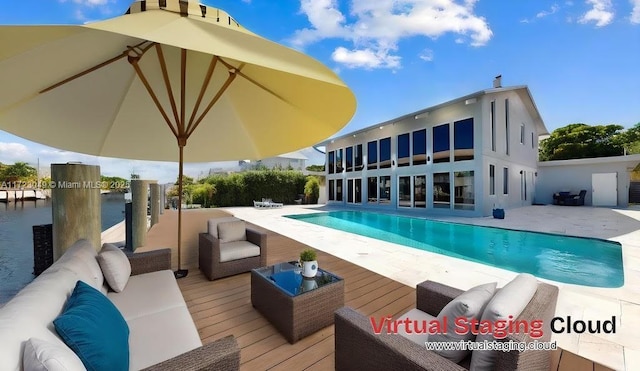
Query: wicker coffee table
column 296, row 306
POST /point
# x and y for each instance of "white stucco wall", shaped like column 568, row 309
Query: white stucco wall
column 574, row 175
column 521, row 157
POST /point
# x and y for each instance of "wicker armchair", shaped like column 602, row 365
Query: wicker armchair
column 358, row 348
column 211, row 264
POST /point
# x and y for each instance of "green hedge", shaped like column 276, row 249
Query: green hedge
column 241, row 189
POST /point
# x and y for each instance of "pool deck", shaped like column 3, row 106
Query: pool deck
column 620, row 350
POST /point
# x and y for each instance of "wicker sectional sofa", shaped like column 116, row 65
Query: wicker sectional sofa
column 162, row 334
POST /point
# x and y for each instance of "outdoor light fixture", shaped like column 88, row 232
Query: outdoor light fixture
column 421, row 115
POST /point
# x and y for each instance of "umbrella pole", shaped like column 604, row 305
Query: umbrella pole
column 180, row 273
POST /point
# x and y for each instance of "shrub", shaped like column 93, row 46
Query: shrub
column 312, row 189
column 308, row 255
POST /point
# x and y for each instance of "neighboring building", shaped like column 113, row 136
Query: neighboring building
column 464, row 157
column 291, row 160
column 607, row 180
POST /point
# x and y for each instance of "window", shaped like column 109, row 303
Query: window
column 404, row 191
column 358, row 191
column 464, row 191
column 420, row 147
column 385, row 153
column 492, row 180
column 441, row 143
column 339, row 190
column 492, row 118
column 403, row 150
column 350, row 191
column 339, row 165
column 372, row 189
column 441, row 190
column 522, row 133
column 385, row 190
column 332, row 162
column 420, row 191
column 505, row 181
column 332, row 190
column 523, row 185
column 372, row 155
column 506, row 125
column 532, row 146
column 358, row 158
column 463, row 140
column 349, row 159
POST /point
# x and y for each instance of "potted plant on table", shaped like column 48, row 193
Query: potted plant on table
column 309, row 263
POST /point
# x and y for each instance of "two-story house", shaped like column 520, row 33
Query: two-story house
column 465, row 157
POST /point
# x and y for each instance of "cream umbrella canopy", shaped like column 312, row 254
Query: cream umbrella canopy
column 166, row 73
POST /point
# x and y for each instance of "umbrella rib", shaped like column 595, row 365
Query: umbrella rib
column 183, row 83
column 167, row 82
column 232, row 76
column 256, row 83
column 145, row 82
column 94, row 68
column 203, row 89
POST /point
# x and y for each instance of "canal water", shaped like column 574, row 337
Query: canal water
column 16, row 237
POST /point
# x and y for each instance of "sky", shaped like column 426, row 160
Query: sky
column 580, row 58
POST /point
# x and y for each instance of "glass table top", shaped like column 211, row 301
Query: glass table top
column 287, row 276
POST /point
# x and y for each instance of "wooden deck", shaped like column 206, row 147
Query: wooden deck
column 223, row 307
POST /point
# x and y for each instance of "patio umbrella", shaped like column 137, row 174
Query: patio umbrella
column 170, row 80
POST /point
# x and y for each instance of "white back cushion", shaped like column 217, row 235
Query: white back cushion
column 212, row 224
column 508, row 301
column 471, row 305
column 232, row 231
column 40, row 355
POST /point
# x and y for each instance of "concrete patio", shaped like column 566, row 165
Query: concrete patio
column 620, row 350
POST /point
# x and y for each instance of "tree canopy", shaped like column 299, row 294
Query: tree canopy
column 17, row 171
column 584, row 141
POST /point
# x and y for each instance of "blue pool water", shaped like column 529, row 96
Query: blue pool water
column 576, row 260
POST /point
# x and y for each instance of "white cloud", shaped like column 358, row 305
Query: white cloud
column 12, row 152
column 375, row 27
column 554, row 9
column 365, row 58
column 89, row 2
column 426, row 55
column 601, row 13
column 635, row 12
column 96, row 8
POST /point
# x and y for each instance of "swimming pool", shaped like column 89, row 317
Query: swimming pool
column 575, row 260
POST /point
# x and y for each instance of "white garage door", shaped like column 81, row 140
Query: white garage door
column 605, row 189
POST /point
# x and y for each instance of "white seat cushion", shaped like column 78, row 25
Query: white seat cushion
column 212, row 224
column 418, row 316
column 147, row 294
column 160, row 336
column 238, row 250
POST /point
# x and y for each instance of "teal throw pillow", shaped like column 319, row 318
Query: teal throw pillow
column 94, row 329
